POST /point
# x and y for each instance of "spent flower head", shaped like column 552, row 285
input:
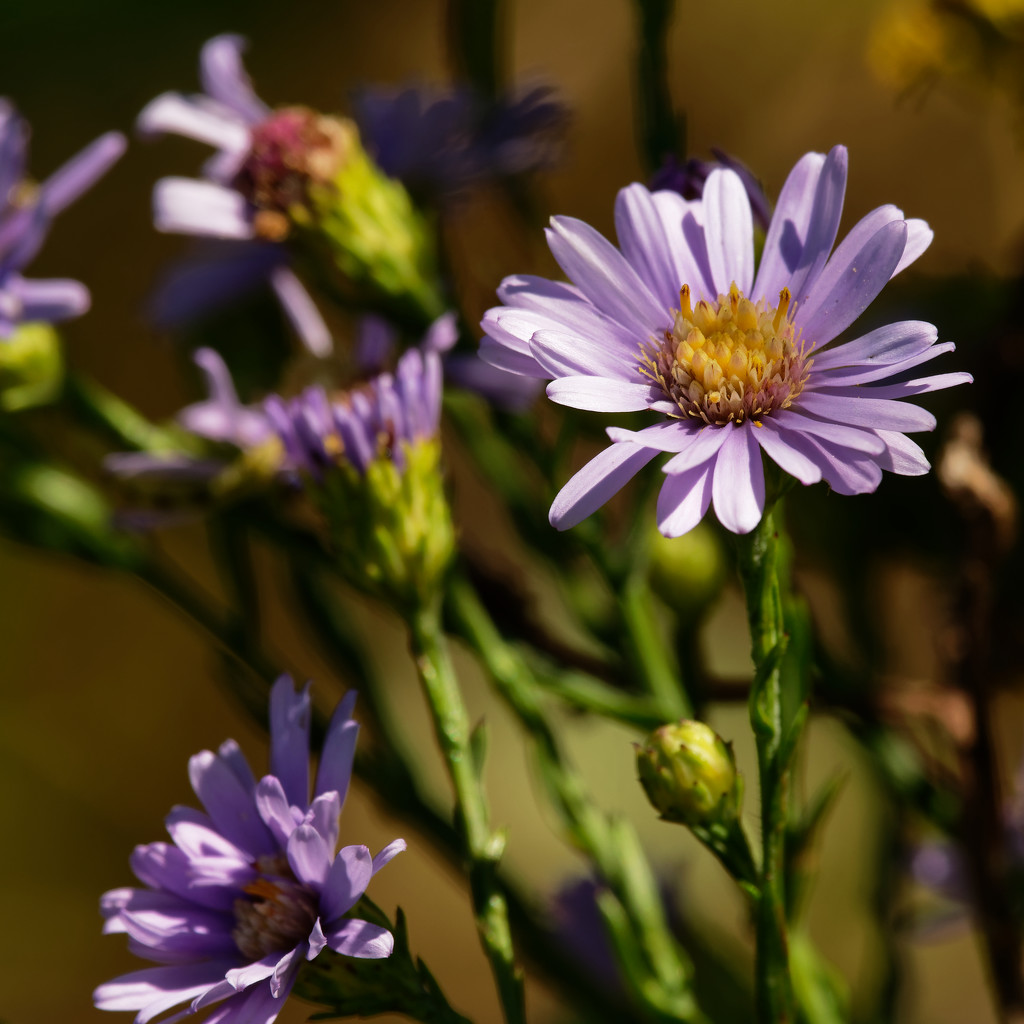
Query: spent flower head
column 734, row 360
column 250, row 888
column 285, row 178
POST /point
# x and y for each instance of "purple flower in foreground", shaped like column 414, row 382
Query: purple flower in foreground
column 231, row 118
column 26, row 212
column 675, row 321
column 252, row 888
column 437, row 143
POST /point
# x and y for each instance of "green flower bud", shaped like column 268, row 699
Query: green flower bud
column 687, row 572
column 31, row 367
column 689, row 774
column 390, row 526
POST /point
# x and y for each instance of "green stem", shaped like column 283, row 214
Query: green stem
column 101, row 410
column 758, row 553
column 662, row 134
column 474, row 44
column 611, row 845
column 650, row 649
column 483, row 847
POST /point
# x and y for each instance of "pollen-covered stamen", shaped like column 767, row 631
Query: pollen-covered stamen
column 275, row 916
column 733, row 360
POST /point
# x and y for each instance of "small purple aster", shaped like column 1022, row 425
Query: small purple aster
column 251, row 889
column 735, row 363
column 230, row 117
column 380, row 418
column 377, row 342
column 26, row 213
column 439, row 142
column 687, row 177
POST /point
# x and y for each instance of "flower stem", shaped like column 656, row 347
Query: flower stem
column 662, row 133
column 483, row 847
column 758, row 555
column 663, row 979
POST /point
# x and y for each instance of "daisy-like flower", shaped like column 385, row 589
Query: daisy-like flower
column 26, row 213
column 735, row 361
column 230, row 117
column 251, row 888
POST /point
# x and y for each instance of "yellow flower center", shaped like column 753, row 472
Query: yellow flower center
column 732, row 360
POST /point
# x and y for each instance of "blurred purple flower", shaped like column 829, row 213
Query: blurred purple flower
column 378, row 340
column 251, row 889
column 377, row 419
column 26, row 212
column 437, row 143
column 687, row 177
column 230, row 117
column 734, row 363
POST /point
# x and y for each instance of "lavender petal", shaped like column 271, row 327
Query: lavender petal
column 738, row 484
column 596, row 482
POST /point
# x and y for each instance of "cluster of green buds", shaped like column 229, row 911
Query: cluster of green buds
column 371, row 458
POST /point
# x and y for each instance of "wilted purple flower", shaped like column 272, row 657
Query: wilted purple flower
column 687, row 177
column 251, row 889
column 437, row 143
column 675, row 321
column 26, row 212
column 230, row 117
column 377, row 419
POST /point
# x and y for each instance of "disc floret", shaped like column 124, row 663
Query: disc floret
column 731, row 360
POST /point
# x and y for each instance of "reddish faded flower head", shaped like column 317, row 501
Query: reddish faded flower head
column 250, row 888
column 735, row 360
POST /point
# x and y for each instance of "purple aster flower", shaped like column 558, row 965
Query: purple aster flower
column 378, row 340
column 251, row 888
column 26, row 212
column 230, row 117
column 687, row 177
column 437, row 143
column 734, row 361
column 381, row 418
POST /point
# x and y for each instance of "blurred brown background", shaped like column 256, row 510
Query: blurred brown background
column 106, row 693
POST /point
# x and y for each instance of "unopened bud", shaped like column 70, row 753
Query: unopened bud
column 687, row 572
column 689, row 774
column 31, row 367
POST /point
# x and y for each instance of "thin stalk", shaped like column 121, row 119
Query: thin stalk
column 483, row 847
column 758, row 556
column 112, row 417
column 662, row 134
column 650, row 650
column 611, row 845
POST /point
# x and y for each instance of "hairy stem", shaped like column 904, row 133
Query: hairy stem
column 758, row 552
column 482, row 847
column 611, row 845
